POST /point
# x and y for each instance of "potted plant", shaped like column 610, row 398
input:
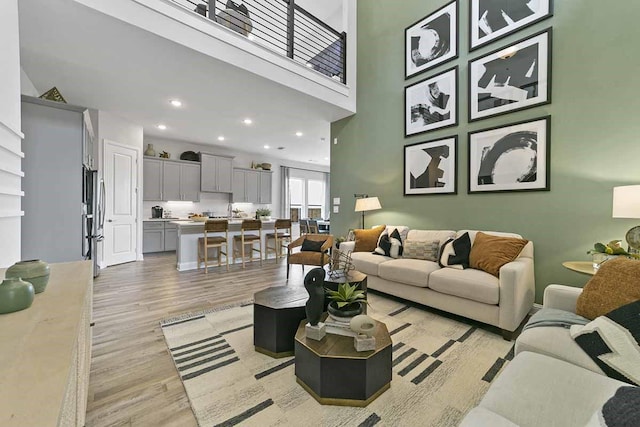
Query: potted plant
column 346, row 301
column 263, row 213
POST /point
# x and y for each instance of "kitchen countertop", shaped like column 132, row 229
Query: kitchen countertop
column 164, row 219
column 189, row 223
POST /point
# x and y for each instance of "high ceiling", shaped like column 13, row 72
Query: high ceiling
column 100, row 62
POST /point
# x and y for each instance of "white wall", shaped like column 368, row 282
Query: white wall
column 114, row 128
column 26, row 85
column 10, row 135
column 217, row 202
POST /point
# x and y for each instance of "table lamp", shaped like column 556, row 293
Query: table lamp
column 626, row 204
column 365, row 203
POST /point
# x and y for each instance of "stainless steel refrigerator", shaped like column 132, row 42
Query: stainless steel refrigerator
column 61, row 219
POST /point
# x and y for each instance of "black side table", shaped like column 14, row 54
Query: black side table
column 277, row 312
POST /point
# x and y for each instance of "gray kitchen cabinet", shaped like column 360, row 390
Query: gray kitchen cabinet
column 159, row 236
column 216, row 174
column 152, row 179
column 189, row 182
column 251, row 186
column 238, row 195
column 171, row 188
column 171, row 180
column 265, row 187
column 170, row 237
column 152, row 236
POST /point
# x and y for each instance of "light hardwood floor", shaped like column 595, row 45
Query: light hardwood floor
column 133, row 380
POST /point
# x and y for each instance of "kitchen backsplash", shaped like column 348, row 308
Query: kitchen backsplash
column 216, row 203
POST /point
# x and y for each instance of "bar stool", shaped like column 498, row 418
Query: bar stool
column 248, row 239
column 304, row 226
column 278, row 237
column 219, row 242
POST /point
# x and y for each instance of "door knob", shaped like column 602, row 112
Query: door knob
column 109, row 220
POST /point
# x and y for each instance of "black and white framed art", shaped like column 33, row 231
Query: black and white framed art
column 430, row 167
column 431, row 103
column 514, row 157
column 490, row 20
column 431, row 41
column 512, row 78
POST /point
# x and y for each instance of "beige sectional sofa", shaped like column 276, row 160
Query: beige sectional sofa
column 550, row 382
column 503, row 302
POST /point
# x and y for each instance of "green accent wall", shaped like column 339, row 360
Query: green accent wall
column 594, row 133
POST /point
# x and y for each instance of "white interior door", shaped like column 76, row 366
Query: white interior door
column 120, row 225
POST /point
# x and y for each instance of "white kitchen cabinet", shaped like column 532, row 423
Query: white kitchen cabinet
column 216, row 173
column 171, row 180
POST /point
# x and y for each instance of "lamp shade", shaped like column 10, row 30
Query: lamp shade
column 367, row 204
column 626, row 201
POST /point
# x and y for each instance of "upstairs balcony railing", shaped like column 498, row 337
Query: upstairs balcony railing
column 282, row 26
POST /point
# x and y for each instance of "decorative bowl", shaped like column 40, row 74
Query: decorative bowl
column 33, row 271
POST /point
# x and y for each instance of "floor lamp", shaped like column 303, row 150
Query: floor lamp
column 365, row 203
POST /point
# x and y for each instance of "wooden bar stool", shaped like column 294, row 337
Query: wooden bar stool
column 218, row 242
column 278, row 237
column 304, row 227
column 247, row 239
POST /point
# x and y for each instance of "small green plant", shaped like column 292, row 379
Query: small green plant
column 346, row 295
column 263, row 212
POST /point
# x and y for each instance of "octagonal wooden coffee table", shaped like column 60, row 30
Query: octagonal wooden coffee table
column 334, row 373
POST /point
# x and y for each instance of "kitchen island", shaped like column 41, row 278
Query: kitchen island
column 190, row 231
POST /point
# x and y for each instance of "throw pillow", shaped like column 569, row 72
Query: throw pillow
column 489, row 253
column 389, row 245
column 621, row 410
column 312, row 245
column 421, row 249
column 455, row 254
column 367, row 239
column 616, row 283
column 613, row 342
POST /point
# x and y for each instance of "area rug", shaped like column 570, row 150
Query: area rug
column 441, row 369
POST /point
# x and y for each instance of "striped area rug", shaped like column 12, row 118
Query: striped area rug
column 441, row 369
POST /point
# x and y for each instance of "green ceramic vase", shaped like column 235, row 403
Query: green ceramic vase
column 15, row 295
column 33, row 271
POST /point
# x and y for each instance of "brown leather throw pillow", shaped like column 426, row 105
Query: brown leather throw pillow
column 616, row 283
column 489, row 253
column 367, row 239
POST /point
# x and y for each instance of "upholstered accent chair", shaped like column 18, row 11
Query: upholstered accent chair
column 314, row 250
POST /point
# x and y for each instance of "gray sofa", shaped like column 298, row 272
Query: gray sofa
column 503, row 302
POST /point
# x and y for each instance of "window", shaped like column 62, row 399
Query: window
column 307, row 198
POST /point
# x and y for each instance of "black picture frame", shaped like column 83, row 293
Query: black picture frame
column 512, row 157
column 431, row 103
column 485, row 14
column 513, row 78
column 441, row 155
column 437, row 32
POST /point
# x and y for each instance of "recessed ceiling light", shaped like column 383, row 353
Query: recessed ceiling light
column 247, row 121
column 162, row 127
column 176, row 103
column 298, row 133
column 221, row 138
column 251, row 37
column 326, row 158
column 266, row 147
column 309, row 65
